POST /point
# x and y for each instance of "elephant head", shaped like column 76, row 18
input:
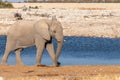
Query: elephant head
column 56, row 31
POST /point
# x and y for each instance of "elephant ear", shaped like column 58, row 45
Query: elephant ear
column 42, row 29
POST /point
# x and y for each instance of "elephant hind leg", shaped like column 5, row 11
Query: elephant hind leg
column 8, row 49
column 5, row 56
column 18, row 57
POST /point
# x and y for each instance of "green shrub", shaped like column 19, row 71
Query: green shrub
column 5, row 5
column 36, row 7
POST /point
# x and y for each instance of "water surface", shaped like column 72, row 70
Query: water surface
column 76, row 51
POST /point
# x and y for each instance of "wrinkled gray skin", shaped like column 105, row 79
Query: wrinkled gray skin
column 24, row 34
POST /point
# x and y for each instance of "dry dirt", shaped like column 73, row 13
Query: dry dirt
column 59, row 73
column 87, row 19
column 83, row 6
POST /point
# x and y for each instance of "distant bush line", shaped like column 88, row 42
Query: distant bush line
column 6, row 5
column 74, row 1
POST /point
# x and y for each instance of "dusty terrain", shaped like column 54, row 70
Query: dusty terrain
column 60, row 73
column 98, row 20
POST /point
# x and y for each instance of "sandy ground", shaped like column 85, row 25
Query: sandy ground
column 71, row 5
column 60, row 73
column 95, row 19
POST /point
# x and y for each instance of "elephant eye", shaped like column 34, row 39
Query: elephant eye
column 54, row 31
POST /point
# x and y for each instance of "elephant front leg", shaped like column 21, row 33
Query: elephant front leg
column 40, row 48
column 51, row 51
column 18, row 57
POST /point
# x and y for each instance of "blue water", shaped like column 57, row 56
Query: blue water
column 76, row 51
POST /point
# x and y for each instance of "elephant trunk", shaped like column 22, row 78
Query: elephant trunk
column 59, row 47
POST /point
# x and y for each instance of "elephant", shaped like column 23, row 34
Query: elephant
column 25, row 33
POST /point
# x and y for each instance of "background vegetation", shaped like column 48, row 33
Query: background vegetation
column 76, row 1
column 5, row 5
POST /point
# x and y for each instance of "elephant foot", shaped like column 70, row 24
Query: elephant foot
column 58, row 63
column 3, row 64
column 40, row 65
